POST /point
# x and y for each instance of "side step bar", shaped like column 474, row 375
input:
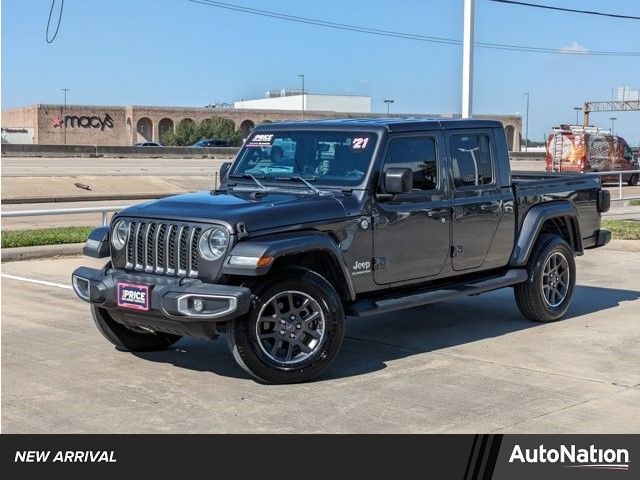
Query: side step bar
column 366, row 308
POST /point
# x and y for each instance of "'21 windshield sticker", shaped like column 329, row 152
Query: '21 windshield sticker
column 359, row 143
column 261, row 140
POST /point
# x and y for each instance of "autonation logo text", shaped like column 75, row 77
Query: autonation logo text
column 573, row 457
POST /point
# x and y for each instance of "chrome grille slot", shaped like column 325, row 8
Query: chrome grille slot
column 163, row 248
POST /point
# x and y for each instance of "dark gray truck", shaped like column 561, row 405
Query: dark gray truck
column 318, row 220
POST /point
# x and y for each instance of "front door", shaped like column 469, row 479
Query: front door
column 476, row 199
column 411, row 230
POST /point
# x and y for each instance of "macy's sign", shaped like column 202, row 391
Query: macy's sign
column 84, row 121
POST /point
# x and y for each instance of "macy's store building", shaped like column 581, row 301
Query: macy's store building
column 126, row 125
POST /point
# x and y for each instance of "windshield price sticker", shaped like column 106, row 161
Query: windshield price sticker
column 261, row 140
column 359, row 143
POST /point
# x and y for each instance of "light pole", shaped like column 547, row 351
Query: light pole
column 302, row 77
column 467, row 59
column 578, row 110
column 64, row 113
column 388, row 101
column 613, row 119
column 526, row 130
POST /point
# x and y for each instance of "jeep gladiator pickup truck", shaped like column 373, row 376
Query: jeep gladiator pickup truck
column 318, row 220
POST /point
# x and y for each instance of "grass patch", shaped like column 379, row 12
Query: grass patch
column 623, row 229
column 44, row 236
column 635, row 202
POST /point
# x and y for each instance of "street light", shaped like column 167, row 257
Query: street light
column 578, row 110
column 388, row 102
column 64, row 113
column 302, row 77
column 526, row 131
column 613, row 119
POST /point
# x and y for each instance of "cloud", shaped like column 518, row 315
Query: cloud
column 363, row 81
column 574, row 47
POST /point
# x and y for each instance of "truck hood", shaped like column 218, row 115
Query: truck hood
column 257, row 212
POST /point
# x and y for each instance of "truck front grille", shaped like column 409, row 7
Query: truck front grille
column 163, row 248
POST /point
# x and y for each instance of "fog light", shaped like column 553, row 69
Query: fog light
column 81, row 287
column 198, row 305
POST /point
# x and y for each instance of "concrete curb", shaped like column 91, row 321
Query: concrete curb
column 624, row 245
column 39, row 252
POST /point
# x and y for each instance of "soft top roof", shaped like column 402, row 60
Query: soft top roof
column 387, row 124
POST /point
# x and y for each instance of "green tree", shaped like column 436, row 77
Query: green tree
column 220, row 128
column 185, row 134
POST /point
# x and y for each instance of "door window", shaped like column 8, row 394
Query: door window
column 418, row 154
column 471, row 160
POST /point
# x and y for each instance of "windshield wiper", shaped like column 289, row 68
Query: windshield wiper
column 251, row 177
column 303, row 180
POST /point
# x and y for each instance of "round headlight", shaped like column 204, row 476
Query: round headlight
column 119, row 234
column 213, row 243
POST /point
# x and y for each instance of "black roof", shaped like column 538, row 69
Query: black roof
column 394, row 124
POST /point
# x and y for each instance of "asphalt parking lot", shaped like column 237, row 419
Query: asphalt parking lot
column 472, row 365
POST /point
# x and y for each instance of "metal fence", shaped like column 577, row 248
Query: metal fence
column 104, row 211
column 64, row 211
column 620, row 174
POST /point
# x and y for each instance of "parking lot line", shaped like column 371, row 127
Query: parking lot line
column 40, row 282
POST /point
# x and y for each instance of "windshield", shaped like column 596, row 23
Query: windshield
column 330, row 158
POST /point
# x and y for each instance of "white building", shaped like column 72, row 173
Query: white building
column 293, row 100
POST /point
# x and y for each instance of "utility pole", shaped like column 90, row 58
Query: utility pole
column 64, row 113
column 577, row 109
column 526, row 130
column 467, row 59
column 302, row 77
column 388, row 102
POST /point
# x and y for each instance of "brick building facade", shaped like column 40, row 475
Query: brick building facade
column 126, row 125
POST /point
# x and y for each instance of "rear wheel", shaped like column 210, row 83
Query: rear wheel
column 127, row 339
column 547, row 293
column 293, row 331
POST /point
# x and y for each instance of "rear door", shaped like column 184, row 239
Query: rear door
column 477, row 201
column 411, row 233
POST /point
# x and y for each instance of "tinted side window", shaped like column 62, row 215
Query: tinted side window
column 418, row 154
column 471, row 160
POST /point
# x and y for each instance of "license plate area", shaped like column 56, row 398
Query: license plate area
column 133, row 296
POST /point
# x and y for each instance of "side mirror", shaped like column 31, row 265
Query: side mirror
column 398, row 180
column 224, row 169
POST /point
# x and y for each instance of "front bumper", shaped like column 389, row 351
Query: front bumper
column 172, row 301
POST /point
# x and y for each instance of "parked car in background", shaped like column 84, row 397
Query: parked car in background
column 148, row 144
column 211, row 142
column 579, row 149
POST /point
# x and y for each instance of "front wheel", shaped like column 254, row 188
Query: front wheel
column 293, row 330
column 633, row 180
column 547, row 293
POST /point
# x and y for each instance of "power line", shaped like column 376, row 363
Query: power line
column 55, row 34
column 562, row 9
column 402, row 35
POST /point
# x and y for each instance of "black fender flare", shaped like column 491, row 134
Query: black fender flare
column 97, row 245
column 532, row 225
column 277, row 246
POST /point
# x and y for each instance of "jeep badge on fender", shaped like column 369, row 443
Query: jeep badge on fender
column 315, row 221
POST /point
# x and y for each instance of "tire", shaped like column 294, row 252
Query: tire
column 633, row 180
column 548, row 303
column 282, row 340
column 130, row 340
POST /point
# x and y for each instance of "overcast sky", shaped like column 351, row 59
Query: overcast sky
column 175, row 52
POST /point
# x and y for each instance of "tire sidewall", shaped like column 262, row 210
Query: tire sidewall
column 244, row 341
column 549, row 246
